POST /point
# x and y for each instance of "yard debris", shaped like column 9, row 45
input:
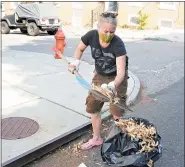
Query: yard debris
column 109, row 94
column 132, row 141
column 147, row 134
column 76, row 147
column 98, row 164
column 105, row 129
column 140, row 131
column 150, row 163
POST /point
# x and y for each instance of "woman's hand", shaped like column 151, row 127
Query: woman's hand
column 74, row 66
column 110, row 87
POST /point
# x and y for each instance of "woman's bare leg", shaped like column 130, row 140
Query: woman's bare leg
column 96, row 125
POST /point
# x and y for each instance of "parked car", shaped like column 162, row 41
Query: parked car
column 31, row 18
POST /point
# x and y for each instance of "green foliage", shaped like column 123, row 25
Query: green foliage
column 156, row 28
column 142, row 19
column 125, row 26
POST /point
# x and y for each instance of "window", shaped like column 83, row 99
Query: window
column 76, row 19
column 133, row 20
column 140, row 4
column 167, row 5
column 166, row 23
column 77, row 13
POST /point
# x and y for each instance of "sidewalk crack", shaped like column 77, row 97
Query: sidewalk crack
column 22, row 103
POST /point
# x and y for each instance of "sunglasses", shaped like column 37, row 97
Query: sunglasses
column 113, row 15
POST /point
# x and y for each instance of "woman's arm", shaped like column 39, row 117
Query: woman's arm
column 121, row 66
column 79, row 50
column 74, row 65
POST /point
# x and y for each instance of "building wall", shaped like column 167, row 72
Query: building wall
column 8, row 7
column 65, row 12
column 125, row 10
column 89, row 6
column 11, row 6
column 180, row 18
column 153, row 10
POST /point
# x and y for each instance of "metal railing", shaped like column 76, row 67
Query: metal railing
column 95, row 13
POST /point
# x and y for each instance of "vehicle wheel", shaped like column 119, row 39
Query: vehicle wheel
column 24, row 31
column 32, row 29
column 52, row 32
column 5, row 28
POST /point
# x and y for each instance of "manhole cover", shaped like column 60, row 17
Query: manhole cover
column 18, row 128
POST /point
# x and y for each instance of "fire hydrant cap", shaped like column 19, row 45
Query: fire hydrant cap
column 59, row 34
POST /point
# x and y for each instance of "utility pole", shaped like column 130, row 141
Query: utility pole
column 111, row 7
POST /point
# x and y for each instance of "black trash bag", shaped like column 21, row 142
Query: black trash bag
column 119, row 150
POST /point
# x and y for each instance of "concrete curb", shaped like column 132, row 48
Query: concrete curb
column 135, row 92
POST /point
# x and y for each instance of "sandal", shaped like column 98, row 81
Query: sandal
column 91, row 143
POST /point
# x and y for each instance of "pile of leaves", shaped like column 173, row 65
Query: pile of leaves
column 147, row 134
column 113, row 99
column 135, row 130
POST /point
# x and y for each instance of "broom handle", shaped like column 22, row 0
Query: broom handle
column 63, row 57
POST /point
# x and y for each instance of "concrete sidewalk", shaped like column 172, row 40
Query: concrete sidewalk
column 36, row 86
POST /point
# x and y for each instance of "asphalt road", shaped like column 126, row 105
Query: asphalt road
column 167, row 114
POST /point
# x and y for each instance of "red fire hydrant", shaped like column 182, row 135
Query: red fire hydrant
column 60, row 42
